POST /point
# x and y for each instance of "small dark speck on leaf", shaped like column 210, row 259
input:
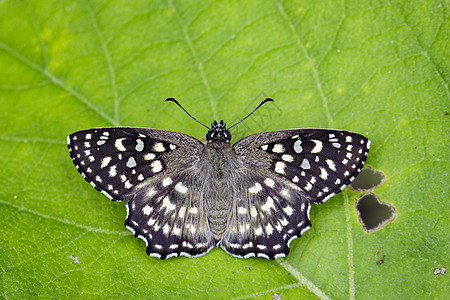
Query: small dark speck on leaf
column 249, row 269
column 440, row 271
column 276, row 296
column 381, row 260
column 75, row 259
column 446, row 113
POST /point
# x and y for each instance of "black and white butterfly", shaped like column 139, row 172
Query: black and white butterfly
column 185, row 197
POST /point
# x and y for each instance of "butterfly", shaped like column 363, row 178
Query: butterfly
column 251, row 198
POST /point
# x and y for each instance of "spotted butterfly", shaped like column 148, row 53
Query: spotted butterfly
column 251, row 198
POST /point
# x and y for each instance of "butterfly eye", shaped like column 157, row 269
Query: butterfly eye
column 209, row 135
column 227, row 135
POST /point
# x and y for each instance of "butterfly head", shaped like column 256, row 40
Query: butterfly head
column 217, row 132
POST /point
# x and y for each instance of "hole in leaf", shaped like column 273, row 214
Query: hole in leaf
column 367, row 180
column 373, row 213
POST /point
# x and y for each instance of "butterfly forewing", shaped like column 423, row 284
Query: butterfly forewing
column 116, row 160
column 321, row 162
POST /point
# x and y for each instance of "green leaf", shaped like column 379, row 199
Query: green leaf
column 381, row 69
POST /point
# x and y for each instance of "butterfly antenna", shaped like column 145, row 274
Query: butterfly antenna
column 177, row 103
column 264, row 101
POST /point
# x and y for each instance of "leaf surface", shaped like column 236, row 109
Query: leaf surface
column 379, row 69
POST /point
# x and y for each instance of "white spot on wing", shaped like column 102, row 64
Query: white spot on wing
column 317, row 147
column 139, row 145
column 268, row 205
column 279, row 167
column 149, row 156
column 331, row 164
column 159, row 147
column 150, row 192
column 269, row 182
column 167, row 181
column 131, row 163
column 308, row 186
column 258, row 231
column 118, row 144
column 167, row 204
column 255, row 189
column 269, row 229
column 323, row 173
column 147, row 210
column 182, row 212
column 179, row 187
column 105, row 161
column 305, row 164
column 112, row 171
column 253, row 212
column 298, row 146
column 128, row 185
column 278, row 148
column 156, row 166
column 287, row 157
column 166, row 229
column 242, row 210
column 288, row 210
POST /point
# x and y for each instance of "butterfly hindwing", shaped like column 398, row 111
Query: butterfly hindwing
column 168, row 213
column 321, row 162
column 268, row 212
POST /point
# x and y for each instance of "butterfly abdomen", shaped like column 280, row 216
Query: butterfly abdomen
column 218, row 161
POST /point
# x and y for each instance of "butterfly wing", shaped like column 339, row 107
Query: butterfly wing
column 286, row 171
column 150, row 168
column 321, row 162
column 267, row 213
